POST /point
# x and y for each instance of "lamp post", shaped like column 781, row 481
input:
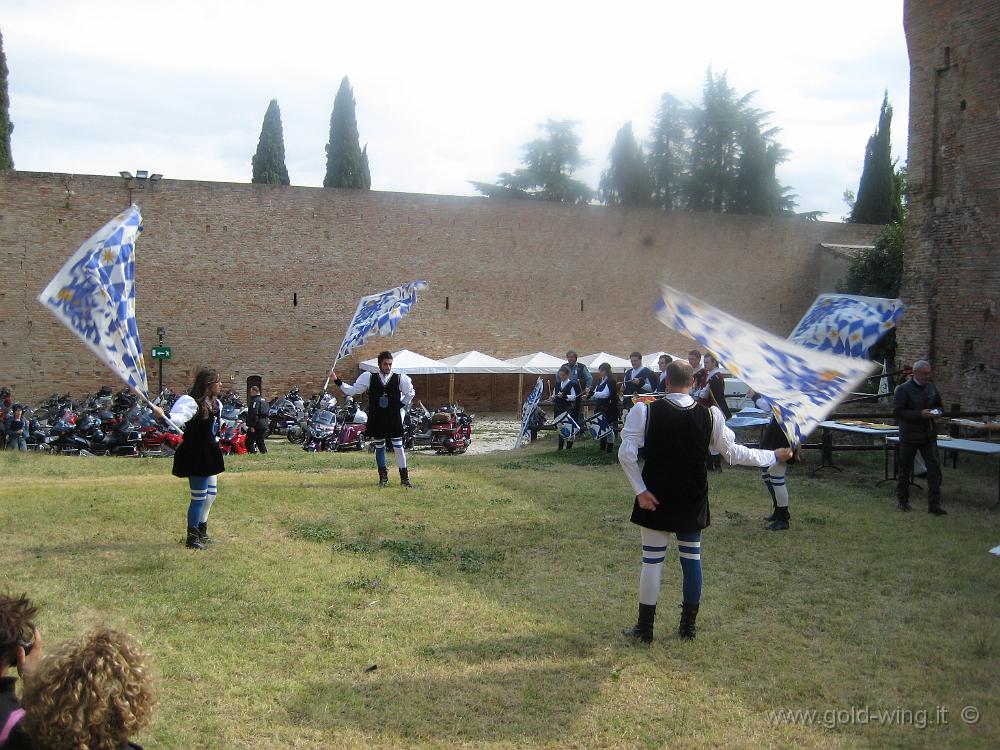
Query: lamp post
column 139, row 182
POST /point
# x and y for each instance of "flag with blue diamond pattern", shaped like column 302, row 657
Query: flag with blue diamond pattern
column 380, row 314
column 803, row 384
column 846, row 323
column 93, row 295
column 528, row 411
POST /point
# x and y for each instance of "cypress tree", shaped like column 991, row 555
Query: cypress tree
column 669, row 153
column 345, row 167
column 6, row 126
column 269, row 161
column 878, row 200
column 627, row 181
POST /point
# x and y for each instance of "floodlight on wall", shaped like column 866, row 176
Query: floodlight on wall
column 141, row 174
column 126, row 175
column 155, row 177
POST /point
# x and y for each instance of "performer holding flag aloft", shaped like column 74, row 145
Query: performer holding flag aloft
column 388, row 393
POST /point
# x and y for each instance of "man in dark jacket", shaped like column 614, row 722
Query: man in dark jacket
column 917, row 403
column 258, row 418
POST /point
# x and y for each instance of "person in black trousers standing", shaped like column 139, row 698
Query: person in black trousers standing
column 916, row 403
column 258, row 417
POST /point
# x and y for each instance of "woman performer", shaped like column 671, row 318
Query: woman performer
column 199, row 458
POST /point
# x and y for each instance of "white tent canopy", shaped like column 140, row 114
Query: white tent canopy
column 651, row 360
column 477, row 362
column 538, row 363
column 593, row 361
column 410, row 363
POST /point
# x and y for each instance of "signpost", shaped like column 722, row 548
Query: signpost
column 160, row 353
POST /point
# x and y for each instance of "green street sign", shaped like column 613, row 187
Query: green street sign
column 160, row 352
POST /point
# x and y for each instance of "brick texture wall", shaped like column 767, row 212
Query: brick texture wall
column 951, row 276
column 257, row 279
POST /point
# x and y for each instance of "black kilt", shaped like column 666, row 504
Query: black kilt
column 199, row 454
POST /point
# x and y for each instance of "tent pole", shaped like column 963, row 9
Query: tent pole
column 520, row 391
column 451, row 388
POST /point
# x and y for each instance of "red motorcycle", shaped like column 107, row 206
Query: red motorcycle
column 451, row 429
column 233, row 438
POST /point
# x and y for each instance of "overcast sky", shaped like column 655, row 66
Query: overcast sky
column 446, row 91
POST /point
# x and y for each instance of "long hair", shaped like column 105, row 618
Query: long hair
column 95, row 692
column 199, row 391
column 17, row 624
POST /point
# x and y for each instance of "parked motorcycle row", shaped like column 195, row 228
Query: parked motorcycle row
column 121, row 424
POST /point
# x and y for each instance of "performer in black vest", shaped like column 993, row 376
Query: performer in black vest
column 566, row 398
column 605, row 396
column 258, row 418
column 661, row 378
column 713, row 393
column 671, row 488
column 388, row 393
column 774, row 476
column 638, row 379
column 199, row 458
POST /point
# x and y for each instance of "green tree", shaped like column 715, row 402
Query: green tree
column 269, row 161
column 879, row 197
column 549, row 164
column 6, row 126
column 734, row 156
column 669, row 153
column 366, row 173
column 345, row 165
column 626, row 181
column 878, row 272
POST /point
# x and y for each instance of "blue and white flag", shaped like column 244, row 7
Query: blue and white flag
column 534, row 398
column 804, row 385
column 380, row 314
column 94, row 296
column 846, row 323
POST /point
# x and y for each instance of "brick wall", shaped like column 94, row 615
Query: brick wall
column 951, row 275
column 258, row 279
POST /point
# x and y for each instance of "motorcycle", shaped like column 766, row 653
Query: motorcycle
column 417, row 426
column 287, row 412
column 233, row 438
column 451, row 429
column 321, row 432
column 352, row 420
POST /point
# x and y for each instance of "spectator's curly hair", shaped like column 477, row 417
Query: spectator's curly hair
column 94, row 693
column 17, row 623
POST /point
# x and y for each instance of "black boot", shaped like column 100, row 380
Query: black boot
column 774, row 508
column 717, row 463
column 569, row 444
column 194, row 538
column 383, row 477
column 689, row 613
column 203, row 533
column 561, row 443
column 780, row 522
column 643, row 628
column 404, row 478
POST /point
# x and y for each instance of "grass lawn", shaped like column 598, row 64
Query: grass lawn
column 483, row 607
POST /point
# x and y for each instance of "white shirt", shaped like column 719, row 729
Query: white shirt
column 185, row 408
column 406, row 390
column 603, row 390
column 723, row 441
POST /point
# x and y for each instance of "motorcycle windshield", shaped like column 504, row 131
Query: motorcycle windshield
column 324, row 418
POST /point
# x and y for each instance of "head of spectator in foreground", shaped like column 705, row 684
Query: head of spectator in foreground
column 921, row 371
column 95, row 692
column 680, row 376
column 385, row 362
column 571, row 357
column 17, row 628
column 663, row 361
column 694, row 359
column 636, row 359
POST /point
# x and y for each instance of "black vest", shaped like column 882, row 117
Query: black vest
column 384, row 422
column 677, row 440
column 644, row 374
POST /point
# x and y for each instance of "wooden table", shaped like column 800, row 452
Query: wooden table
column 829, row 427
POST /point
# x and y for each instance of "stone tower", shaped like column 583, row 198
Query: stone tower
column 951, row 271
